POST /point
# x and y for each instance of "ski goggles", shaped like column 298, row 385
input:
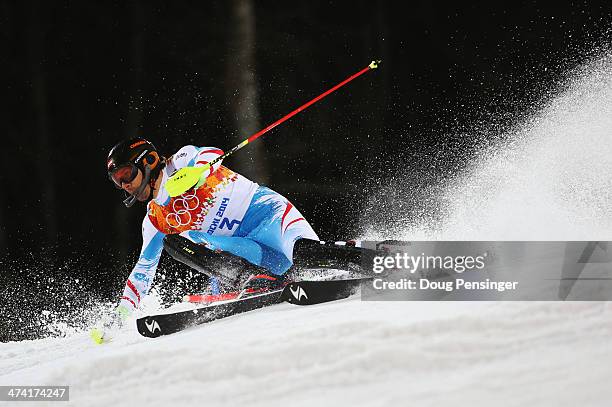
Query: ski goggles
column 123, row 175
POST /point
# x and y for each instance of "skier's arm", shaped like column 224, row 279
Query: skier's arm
column 138, row 284
column 192, row 156
column 141, row 277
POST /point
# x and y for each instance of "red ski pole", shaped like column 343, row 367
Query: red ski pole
column 186, row 178
column 373, row 65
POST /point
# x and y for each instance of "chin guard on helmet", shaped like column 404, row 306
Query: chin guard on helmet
column 132, row 198
column 139, row 154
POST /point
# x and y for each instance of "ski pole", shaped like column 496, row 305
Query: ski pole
column 187, row 177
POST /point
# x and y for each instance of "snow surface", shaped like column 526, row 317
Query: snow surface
column 554, row 183
column 344, row 353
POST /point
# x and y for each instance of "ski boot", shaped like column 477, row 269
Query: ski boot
column 258, row 283
column 319, row 254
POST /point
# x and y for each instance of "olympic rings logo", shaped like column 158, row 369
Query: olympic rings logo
column 182, row 207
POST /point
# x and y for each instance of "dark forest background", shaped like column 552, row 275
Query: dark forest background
column 80, row 76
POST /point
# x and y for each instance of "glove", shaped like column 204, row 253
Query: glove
column 123, row 312
column 101, row 335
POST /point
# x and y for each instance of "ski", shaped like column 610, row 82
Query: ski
column 316, row 292
column 298, row 293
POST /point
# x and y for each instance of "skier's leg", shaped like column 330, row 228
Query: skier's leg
column 275, row 224
column 238, row 246
column 229, row 268
column 246, row 248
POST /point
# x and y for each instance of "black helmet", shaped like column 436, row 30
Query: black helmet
column 126, row 158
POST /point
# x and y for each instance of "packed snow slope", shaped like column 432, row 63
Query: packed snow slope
column 344, row 353
column 549, row 180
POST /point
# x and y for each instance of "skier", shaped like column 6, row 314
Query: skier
column 228, row 220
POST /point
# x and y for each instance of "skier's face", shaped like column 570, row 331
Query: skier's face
column 133, row 185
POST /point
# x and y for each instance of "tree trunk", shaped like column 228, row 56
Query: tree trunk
column 3, row 242
column 242, row 90
column 45, row 167
column 133, row 104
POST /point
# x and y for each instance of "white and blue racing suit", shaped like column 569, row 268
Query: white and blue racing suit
column 228, row 212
